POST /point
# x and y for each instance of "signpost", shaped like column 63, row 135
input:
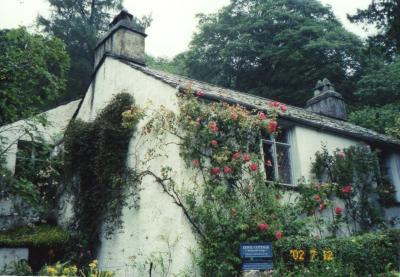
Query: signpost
column 256, row 256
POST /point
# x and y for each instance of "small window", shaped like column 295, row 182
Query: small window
column 31, row 156
column 277, row 157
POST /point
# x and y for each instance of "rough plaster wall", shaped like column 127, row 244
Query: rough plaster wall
column 307, row 142
column 11, row 255
column 148, row 230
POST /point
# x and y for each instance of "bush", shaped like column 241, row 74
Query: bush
column 370, row 253
column 38, row 236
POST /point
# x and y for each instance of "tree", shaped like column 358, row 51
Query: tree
column 384, row 15
column 79, row 23
column 174, row 66
column 32, row 73
column 275, row 48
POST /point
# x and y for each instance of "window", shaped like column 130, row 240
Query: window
column 390, row 166
column 31, row 157
column 277, row 157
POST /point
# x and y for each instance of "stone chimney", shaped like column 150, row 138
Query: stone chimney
column 124, row 40
column 327, row 101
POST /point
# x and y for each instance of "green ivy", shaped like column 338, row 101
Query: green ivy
column 95, row 159
column 37, row 236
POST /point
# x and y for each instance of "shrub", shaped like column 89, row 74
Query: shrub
column 370, row 253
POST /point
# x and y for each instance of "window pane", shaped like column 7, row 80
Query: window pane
column 269, row 161
column 283, row 158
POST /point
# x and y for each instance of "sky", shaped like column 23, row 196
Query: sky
column 174, row 21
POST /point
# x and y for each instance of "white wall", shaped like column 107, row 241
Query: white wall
column 158, row 221
column 306, row 142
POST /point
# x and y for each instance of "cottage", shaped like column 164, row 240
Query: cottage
column 159, row 225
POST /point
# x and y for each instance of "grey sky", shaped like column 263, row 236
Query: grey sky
column 173, row 23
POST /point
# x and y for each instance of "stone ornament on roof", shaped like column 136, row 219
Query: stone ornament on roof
column 323, row 86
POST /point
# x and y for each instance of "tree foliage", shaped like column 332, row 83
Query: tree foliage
column 276, row 49
column 385, row 16
column 32, row 73
column 79, row 24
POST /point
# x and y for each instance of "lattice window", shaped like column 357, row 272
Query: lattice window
column 277, row 157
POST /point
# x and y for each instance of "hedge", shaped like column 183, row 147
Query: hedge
column 37, row 236
column 370, row 253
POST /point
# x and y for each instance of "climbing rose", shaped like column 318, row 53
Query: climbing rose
column 246, row 157
column 196, row 163
column 283, row 108
column 263, row 226
column 278, row 235
column 253, row 166
column 235, row 156
column 347, row 189
column 214, row 142
column 213, row 126
column 272, row 126
column 338, row 211
column 215, row 170
column 227, row 170
column 262, row 116
column 199, row 93
column 317, row 198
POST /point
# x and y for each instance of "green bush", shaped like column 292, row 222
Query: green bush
column 370, row 253
column 38, row 236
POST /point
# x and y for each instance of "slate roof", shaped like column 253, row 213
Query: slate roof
column 295, row 114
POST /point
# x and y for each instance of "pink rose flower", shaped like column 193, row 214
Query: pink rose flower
column 262, row 116
column 272, row 126
column 283, row 108
column 246, row 157
column 317, row 198
column 347, row 189
column 214, row 142
column 338, row 211
column 263, row 227
column 236, row 156
column 215, row 170
column 199, row 93
column 278, row 235
column 228, row 170
column 253, row 167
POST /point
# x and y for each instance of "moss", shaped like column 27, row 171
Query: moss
column 38, row 236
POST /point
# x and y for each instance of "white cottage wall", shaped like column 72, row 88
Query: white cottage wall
column 306, row 142
column 158, row 228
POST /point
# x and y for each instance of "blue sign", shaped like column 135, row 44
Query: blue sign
column 265, row 265
column 256, row 250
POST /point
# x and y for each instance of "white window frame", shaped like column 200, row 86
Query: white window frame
column 289, row 145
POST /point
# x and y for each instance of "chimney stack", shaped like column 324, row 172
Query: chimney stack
column 125, row 40
column 327, row 101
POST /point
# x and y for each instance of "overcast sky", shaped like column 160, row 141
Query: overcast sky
column 174, row 21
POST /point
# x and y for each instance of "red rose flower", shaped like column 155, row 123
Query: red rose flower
column 272, row 126
column 347, row 189
column 283, row 108
column 262, row 116
column 199, row 93
column 263, row 227
column 276, row 104
column 236, row 156
column 196, row 163
column 278, row 235
column 253, row 167
column 214, row 142
column 228, row 170
column 246, row 157
column 215, row 170
column 338, row 211
column 317, row 198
